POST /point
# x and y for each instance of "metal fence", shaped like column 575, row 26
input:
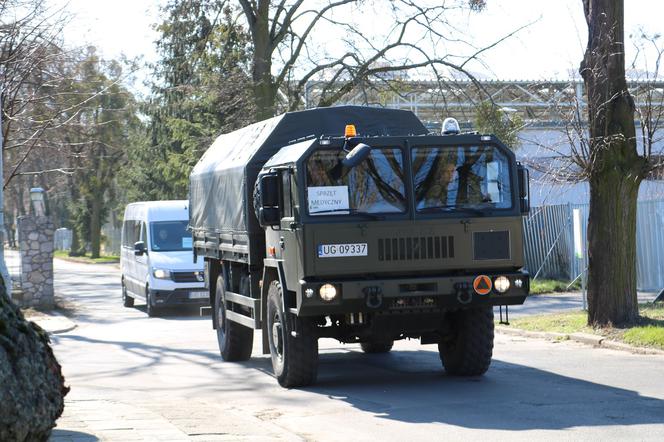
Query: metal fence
column 549, row 243
column 111, row 239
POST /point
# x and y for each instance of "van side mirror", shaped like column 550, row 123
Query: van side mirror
column 269, row 210
column 139, row 248
column 524, row 188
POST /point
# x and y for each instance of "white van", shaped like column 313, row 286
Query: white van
column 157, row 260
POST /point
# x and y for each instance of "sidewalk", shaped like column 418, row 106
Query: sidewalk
column 52, row 322
column 184, row 419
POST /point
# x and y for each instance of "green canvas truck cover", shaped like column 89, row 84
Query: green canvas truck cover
column 221, row 184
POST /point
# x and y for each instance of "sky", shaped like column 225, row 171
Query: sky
column 551, row 47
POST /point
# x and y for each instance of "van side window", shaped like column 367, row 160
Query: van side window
column 129, row 233
column 136, row 232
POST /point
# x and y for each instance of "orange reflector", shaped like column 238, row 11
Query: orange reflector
column 272, row 251
column 482, row 285
column 350, row 131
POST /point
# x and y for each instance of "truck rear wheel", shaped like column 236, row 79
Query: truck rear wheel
column 293, row 343
column 235, row 340
column 377, row 346
column 467, row 350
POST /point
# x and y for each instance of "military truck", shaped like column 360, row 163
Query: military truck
column 367, row 235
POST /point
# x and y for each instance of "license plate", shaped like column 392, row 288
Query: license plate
column 342, row 250
column 197, row 295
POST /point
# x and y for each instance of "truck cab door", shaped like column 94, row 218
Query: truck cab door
column 290, row 231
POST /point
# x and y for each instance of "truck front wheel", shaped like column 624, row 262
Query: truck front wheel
column 293, row 343
column 467, row 350
column 235, row 340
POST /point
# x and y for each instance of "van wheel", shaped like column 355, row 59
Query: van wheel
column 377, row 346
column 152, row 310
column 467, row 350
column 235, row 340
column 127, row 300
column 294, row 358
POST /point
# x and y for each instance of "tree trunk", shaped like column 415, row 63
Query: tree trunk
column 264, row 88
column 32, row 388
column 95, row 227
column 615, row 169
column 612, row 250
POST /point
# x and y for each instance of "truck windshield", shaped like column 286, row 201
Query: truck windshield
column 169, row 236
column 374, row 186
column 461, row 178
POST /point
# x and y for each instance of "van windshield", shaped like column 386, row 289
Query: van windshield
column 374, row 186
column 170, row 236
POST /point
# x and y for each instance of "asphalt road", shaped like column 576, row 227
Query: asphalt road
column 162, row 378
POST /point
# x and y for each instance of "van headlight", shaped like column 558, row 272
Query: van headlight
column 501, row 284
column 327, row 292
column 161, row 274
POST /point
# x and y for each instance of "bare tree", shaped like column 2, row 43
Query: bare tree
column 615, row 166
column 282, row 37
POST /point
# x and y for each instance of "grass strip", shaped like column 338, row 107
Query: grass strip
column 63, row 254
column 647, row 332
column 543, row 286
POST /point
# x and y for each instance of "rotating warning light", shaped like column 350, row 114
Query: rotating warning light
column 451, row 126
column 350, row 131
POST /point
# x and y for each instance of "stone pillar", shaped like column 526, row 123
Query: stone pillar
column 35, row 234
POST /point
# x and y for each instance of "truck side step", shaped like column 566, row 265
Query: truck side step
column 244, row 320
column 243, row 300
column 252, row 303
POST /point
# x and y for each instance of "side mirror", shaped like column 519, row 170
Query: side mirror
column 524, row 187
column 269, row 211
column 139, row 248
column 269, row 216
column 270, row 185
column 356, row 156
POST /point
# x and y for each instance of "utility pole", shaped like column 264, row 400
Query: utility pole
column 4, row 273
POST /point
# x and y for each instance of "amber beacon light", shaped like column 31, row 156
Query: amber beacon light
column 350, row 131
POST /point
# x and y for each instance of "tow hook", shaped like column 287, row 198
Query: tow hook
column 464, row 297
column 374, row 296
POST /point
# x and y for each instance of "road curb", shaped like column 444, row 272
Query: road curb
column 582, row 338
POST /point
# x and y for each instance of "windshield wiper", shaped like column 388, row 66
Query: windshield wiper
column 453, row 208
column 374, row 216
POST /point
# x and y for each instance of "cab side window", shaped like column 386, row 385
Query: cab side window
column 288, row 199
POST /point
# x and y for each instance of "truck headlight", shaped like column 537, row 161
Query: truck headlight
column 327, row 292
column 502, row 284
column 161, row 274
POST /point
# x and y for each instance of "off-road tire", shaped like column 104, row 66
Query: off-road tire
column 235, row 340
column 467, row 350
column 151, row 309
column 294, row 358
column 127, row 300
column 377, row 346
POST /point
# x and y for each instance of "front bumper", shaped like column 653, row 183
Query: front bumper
column 180, row 297
column 409, row 295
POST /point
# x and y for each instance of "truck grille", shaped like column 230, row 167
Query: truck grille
column 184, row 277
column 415, row 248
